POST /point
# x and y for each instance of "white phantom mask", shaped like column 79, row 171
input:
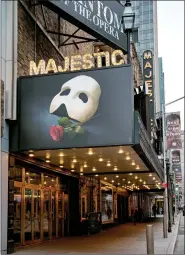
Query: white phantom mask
column 80, row 96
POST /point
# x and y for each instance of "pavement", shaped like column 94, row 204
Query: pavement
column 118, row 240
column 179, row 247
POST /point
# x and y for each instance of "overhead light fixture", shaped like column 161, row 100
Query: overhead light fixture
column 144, row 182
column 123, row 179
column 72, row 170
column 74, row 160
column 150, row 175
column 100, row 159
column 90, row 151
column 140, row 180
column 94, row 169
column 81, row 174
column 108, row 163
column 137, row 167
column 105, row 178
column 27, row 173
column 85, row 164
column 128, row 181
column 130, row 174
column 81, row 169
column 117, row 176
column 47, row 161
column 153, row 178
column 127, row 158
column 133, row 163
column 136, row 177
column 61, row 166
column 61, row 154
column 112, row 181
column 115, row 168
column 96, row 175
column 31, row 154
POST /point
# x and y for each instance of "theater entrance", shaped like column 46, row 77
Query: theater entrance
column 41, row 211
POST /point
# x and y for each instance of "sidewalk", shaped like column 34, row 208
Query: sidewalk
column 122, row 239
column 179, row 248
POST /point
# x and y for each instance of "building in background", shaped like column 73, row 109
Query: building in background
column 146, row 22
column 182, row 164
column 161, row 83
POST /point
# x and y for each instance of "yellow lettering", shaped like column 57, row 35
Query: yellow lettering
column 148, row 76
column 35, row 70
column 148, row 84
column 147, row 65
column 51, row 66
column 88, row 62
column 147, row 55
column 117, row 58
column 76, row 63
column 99, row 56
column 66, row 65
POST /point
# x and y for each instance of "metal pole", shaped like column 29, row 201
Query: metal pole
column 128, row 47
column 150, row 239
column 165, row 215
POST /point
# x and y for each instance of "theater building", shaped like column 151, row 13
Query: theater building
column 76, row 152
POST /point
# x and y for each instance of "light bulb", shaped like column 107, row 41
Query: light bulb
column 90, row 152
column 117, row 176
column 61, row 166
column 81, row 174
column 136, row 177
column 108, row 164
column 112, row 181
column 150, row 175
column 74, row 160
column 153, row 178
column 105, row 178
column 85, row 165
column 31, row 154
column 128, row 181
column 133, row 163
column 47, row 160
column 72, row 170
column 96, row 175
column 130, row 174
column 127, row 158
column 115, row 168
column 120, row 151
column 100, row 159
column 118, row 183
column 94, row 169
column 137, row 167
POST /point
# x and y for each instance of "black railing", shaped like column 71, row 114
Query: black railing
column 141, row 137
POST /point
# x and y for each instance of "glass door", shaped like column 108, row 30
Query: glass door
column 66, row 214
column 17, row 215
column 46, row 215
column 32, row 215
column 53, row 214
column 61, row 213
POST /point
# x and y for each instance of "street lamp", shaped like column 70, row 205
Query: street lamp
column 128, row 24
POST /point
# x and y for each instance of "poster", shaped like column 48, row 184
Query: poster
column 107, row 204
column 173, row 131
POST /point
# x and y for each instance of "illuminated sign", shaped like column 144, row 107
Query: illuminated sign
column 148, row 78
column 78, row 62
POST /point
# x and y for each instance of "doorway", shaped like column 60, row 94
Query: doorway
column 40, row 213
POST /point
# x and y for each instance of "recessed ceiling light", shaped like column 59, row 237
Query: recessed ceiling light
column 94, row 169
column 137, row 167
column 128, row 181
column 133, row 163
column 100, row 159
column 96, row 175
column 118, row 183
column 136, row 177
column 115, row 168
column 140, row 180
column 74, row 160
column 105, row 178
column 120, row 151
column 90, row 151
column 72, row 170
column 130, row 174
column 47, row 160
column 144, row 182
column 150, row 174
column 85, row 164
column 117, row 176
column 153, row 178
column 61, row 166
column 123, row 179
column 127, row 158
column 112, row 180
column 108, row 163
column 27, row 173
column 31, row 154
column 81, row 174
column 61, row 154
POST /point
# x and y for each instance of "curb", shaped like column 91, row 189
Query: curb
column 171, row 247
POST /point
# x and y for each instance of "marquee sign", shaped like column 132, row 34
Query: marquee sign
column 77, row 109
column 148, row 79
column 101, row 19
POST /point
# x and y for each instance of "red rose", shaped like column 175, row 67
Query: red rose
column 56, row 132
